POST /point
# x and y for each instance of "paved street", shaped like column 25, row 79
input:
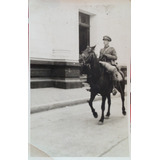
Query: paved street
column 73, row 132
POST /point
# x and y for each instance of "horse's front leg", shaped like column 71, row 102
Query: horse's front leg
column 93, row 94
column 103, row 108
column 109, row 105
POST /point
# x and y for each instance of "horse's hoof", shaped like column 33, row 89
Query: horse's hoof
column 124, row 113
column 100, row 123
column 95, row 114
column 106, row 117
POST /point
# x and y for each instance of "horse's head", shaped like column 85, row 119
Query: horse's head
column 85, row 57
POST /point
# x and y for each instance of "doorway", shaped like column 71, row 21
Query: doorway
column 84, row 31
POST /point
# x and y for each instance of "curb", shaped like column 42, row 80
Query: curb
column 47, row 107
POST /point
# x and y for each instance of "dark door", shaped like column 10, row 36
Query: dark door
column 83, row 38
column 83, row 32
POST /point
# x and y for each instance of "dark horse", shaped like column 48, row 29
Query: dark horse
column 100, row 82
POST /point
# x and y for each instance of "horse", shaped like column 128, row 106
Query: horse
column 100, row 82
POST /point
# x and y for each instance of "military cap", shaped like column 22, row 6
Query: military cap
column 107, row 38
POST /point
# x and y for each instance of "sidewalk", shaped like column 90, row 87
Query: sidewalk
column 74, row 132
column 43, row 99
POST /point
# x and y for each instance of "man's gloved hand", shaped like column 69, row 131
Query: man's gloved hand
column 102, row 58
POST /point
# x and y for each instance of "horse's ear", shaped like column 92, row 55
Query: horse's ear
column 93, row 47
column 87, row 47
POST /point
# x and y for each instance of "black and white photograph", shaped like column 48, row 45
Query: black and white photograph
column 79, row 79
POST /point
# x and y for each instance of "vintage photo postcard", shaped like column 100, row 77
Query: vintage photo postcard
column 79, row 102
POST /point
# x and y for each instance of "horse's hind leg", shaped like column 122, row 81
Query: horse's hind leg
column 121, row 90
column 103, row 108
column 93, row 94
column 109, row 104
column 123, row 107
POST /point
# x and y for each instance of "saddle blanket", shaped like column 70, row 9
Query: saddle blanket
column 108, row 66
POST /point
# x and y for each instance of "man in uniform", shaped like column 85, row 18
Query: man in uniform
column 107, row 58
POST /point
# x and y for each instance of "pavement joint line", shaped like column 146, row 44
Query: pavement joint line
column 38, row 150
column 112, row 147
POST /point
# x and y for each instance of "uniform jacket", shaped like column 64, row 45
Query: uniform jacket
column 108, row 54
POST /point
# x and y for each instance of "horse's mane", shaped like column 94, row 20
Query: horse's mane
column 97, row 70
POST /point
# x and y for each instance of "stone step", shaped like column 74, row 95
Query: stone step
column 59, row 83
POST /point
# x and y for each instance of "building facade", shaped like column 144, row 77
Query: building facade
column 59, row 30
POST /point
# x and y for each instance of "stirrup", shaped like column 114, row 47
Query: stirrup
column 114, row 91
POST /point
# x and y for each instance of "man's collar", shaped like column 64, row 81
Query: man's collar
column 106, row 46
